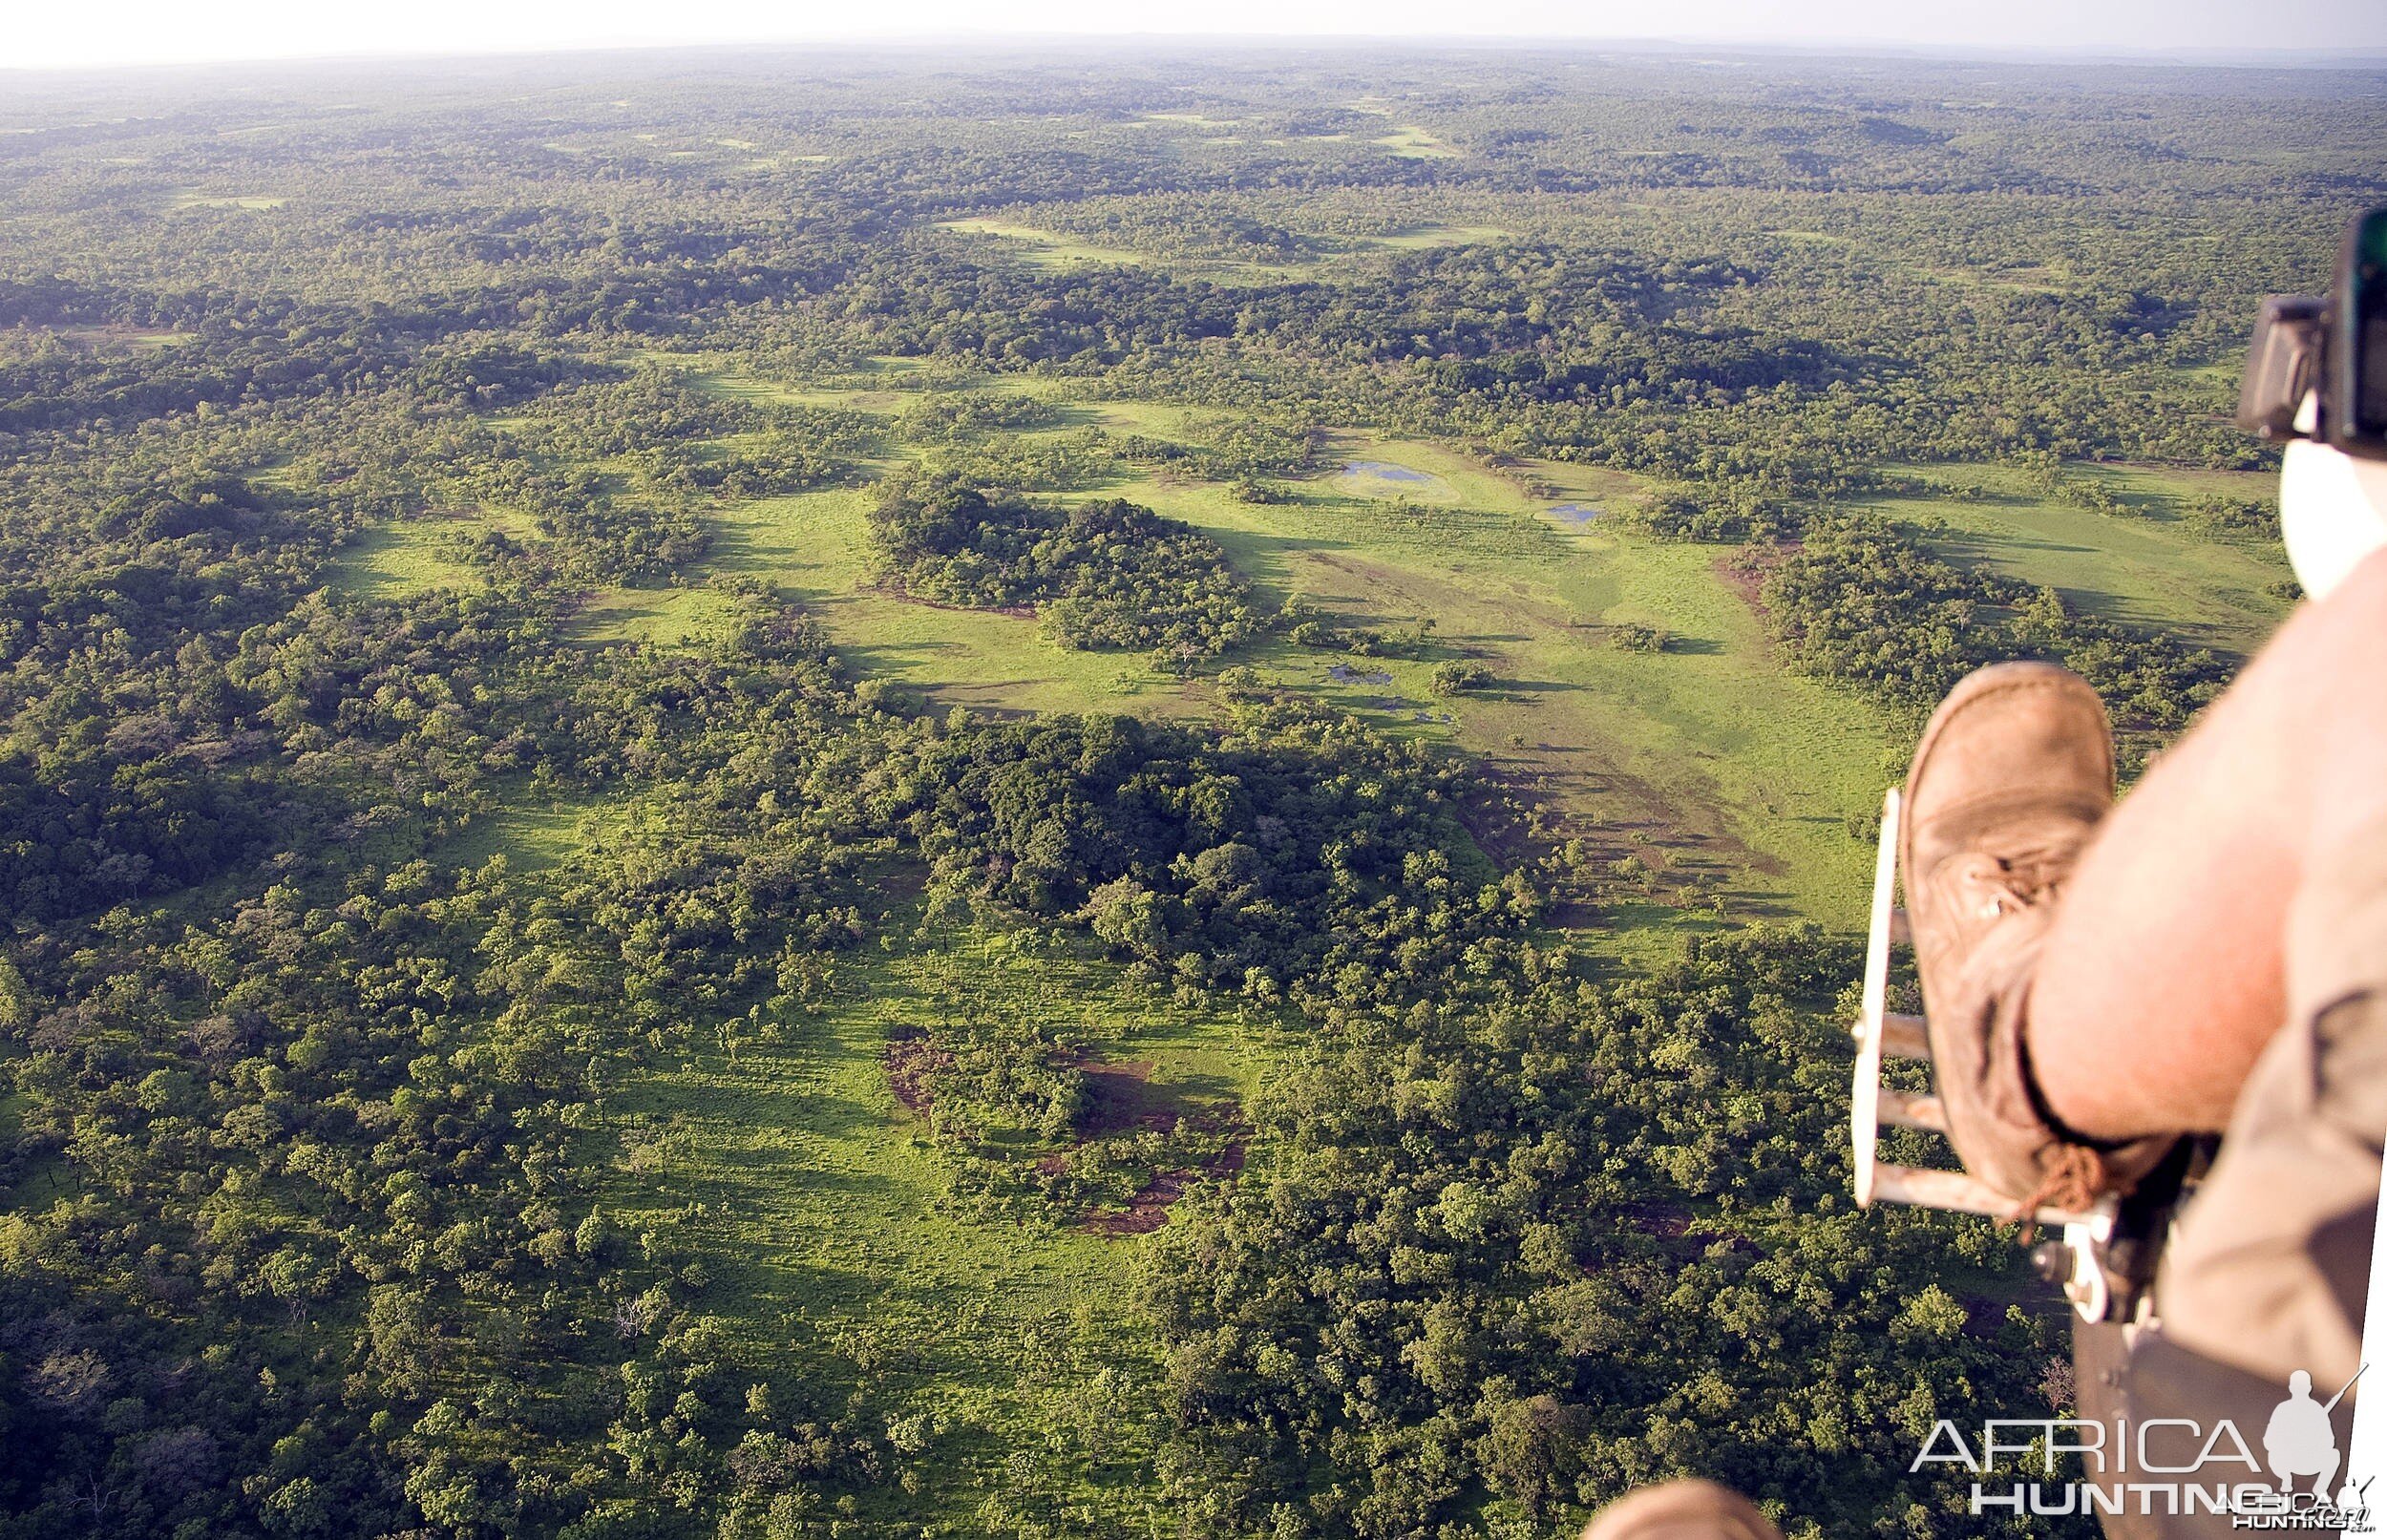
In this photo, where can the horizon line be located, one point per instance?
(2368, 58)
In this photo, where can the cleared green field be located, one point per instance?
(1057, 249)
(1421, 236)
(535, 834)
(2144, 568)
(828, 1221)
(816, 547)
(1704, 757)
(666, 617)
(398, 559)
(884, 403)
(1046, 248)
(193, 198)
(1413, 143)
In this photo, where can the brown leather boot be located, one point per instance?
(1682, 1511)
(2012, 778)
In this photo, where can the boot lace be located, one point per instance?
(2005, 885)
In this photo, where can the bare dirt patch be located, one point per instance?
(1744, 571)
(911, 1058)
(1122, 1099)
(1149, 1209)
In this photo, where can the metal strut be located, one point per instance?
(1880, 1031)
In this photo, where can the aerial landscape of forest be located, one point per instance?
(1082, 792)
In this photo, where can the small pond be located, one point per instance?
(1386, 471)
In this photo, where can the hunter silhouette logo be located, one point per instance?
(2299, 1441)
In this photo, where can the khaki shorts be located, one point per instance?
(2269, 1268)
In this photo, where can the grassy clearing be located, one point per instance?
(1054, 249)
(878, 402)
(536, 834)
(401, 560)
(1422, 237)
(1702, 757)
(1047, 248)
(134, 338)
(664, 617)
(193, 198)
(2144, 568)
(825, 1215)
(1413, 143)
(816, 548)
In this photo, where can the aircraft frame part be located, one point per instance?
(1883, 1033)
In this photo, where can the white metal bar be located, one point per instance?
(1865, 1092)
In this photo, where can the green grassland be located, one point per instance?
(417, 555)
(816, 548)
(254, 203)
(1423, 237)
(824, 1211)
(409, 556)
(779, 1149)
(537, 833)
(1705, 756)
(1046, 248)
(2146, 567)
(1704, 760)
(1055, 249)
(1413, 143)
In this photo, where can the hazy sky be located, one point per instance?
(53, 32)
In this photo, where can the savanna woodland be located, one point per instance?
(1094, 794)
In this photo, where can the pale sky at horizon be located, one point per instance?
(156, 32)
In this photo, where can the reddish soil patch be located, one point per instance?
(1744, 572)
(911, 1058)
(1122, 1099)
(1662, 1220)
(1149, 1210)
(1146, 1211)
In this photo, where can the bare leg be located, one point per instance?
(2163, 976)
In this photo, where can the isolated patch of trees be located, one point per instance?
(1103, 574)
(1860, 602)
